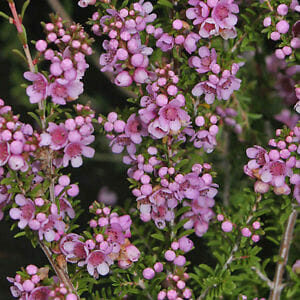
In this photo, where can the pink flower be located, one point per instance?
(165, 42)
(120, 142)
(38, 91)
(135, 129)
(157, 130)
(190, 42)
(198, 13)
(41, 292)
(74, 250)
(96, 264)
(133, 253)
(204, 139)
(62, 90)
(114, 234)
(57, 137)
(171, 116)
(25, 213)
(275, 173)
(205, 62)
(207, 88)
(47, 229)
(223, 13)
(259, 157)
(73, 152)
(226, 86)
(209, 28)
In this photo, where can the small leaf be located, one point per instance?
(19, 234)
(35, 117)
(19, 53)
(158, 236)
(165, 3)
(25, 5)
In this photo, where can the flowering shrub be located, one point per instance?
(199, 106)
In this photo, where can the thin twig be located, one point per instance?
(263, 277)
(234, 248)
(283, 254)
(60, 272)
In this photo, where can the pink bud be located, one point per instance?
(158, 267)
(28, 285)
(275, 36)
(31, 269)
(180, 260)
(123, 79)
(137, 60)
(282, 26)
(227, 226)
(148, 273)
(170, 255)
(255, 238)
(267, 21)
(256, 225)
(177, 24)
(185, 244)
(246, 232)
(140, 75)
(41, 45)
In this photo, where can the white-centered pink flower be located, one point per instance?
(39, 89)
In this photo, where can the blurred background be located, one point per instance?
(106, 170)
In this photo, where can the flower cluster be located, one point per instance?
(278, 26)
(5, 196)
(277, 168)
(246, 231)
(214, 17)
(43, 216)
(125, 55)
(17, 140)
(177, 287)
(67, 64)
(33, 283)
(109, 243)
(220, 87)
(70, 139)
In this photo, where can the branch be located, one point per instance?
(60, 272)
(263, 277)
(234, 248)
(283, 253)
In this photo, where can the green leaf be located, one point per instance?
(165, 3)
(35, 117)
(158, 236)
(25, 5)
(207, 269)
(180, 224)
(19, 234)
(182, 210)
(3, 15)
(186, 233)
(19, 53)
